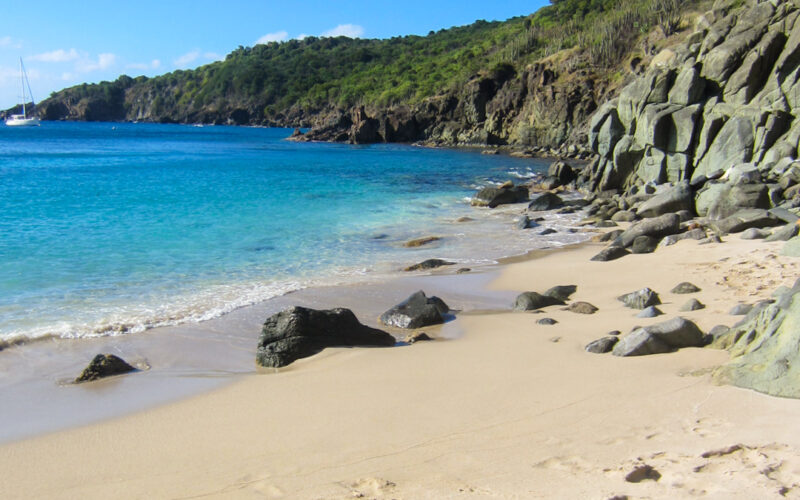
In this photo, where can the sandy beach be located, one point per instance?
(499, 407)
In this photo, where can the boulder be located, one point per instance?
(792, 247)
(104, 365)
(526, 222)
(624, 216)
(608, 236)
(644, 244)
(581, 308)
(561, 292)
(428, 264)
(662, 337)
(418, 242)
(545, 201)
(692, 234)
(650, 312)
(495, 196)
(531, 301)
(692, 305)
(657, 227)
(684, 288)
(740, 309)
(416, 311)
(754, 234)
(299, 332)
(602, 345)
(562, 171)
(785, 233)
(640, 299)
(413, 338)
(734, 198)
(610, 253)
(677, 198)
(546, 322)
(746, 219)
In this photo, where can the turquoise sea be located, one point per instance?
(114, 228)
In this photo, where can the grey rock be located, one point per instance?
(644, 244)
(754, 234)
(650, 312)
(688, 87)
(581, 308)
(610, 253)
(733, 198)
(740, 309)
(104, 365)
(526, 222)
(692, 234)
(495, 196)
(718, 331)
(640, 299)
(562, 171)
(607, 236)
(416, 311)
(546, 232)
(428, 264)
(684, 288)
(561, 292)
(547, 321)
(602, 345)
(692, 305)
(662, 337)
(531, 301)
(545, 201)
(746, 219)
(605, 224)
(792, 247)
(624, 216)
(657, 227)
(299, 332)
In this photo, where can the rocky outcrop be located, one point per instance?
(717, 117)
(104, 365)
(765, 348)
(299, 332)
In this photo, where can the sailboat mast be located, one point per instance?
(22, 82)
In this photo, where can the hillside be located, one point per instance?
(528, 80)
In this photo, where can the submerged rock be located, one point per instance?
(418, 242)
(104, 365)
(299, 332)
(416, 311)
(428, 264)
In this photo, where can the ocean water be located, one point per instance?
(108, 229)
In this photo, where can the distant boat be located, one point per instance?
(23, 120)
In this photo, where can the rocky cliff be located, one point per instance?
(726, 98)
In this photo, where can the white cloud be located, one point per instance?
(57, 56)
(104, 61)
(348, 30)
(154, 64)
(196, 55)
(278, 36)
(302, 36)
(212, 56)
(10, 43)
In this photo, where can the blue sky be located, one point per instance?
(66, 43)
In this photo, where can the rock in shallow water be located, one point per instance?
(428, 264)
(416, 311)
(299, 332)
(104, 365)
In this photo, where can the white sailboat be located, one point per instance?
(23, 120)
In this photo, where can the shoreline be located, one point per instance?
(510, 407)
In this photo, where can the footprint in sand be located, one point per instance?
(371, 487)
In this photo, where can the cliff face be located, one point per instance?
(729, 96)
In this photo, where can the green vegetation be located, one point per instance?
(297, 77)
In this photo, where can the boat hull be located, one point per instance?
(23, 122)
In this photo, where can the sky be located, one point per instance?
(66, 43)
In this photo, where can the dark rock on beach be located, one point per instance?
(547, 322)
(644, 244)
(610, 253)
(531, 301)
(299, 332)
(104, 365)
(429, 264)
(684, 288)
(416, 311)
(656, 227)
(650, 312)
(581, 308)
(660, 338)
(418, 337)
(692, 305)
(561, 292)
(640, 299)
(602, 345)
(545, 201)
(495, 196)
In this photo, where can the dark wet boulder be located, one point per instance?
(610, 253)
(413, 338)
(104, 365)
(416, 311)
(545, 201)
(684, 288)
(640, 299)
(660, 338)
(428, 264)
(299, 332)
(644, 244)
(602, 345)
(562, 172)
(581, 308)
(561, 292)
(526, 222)
(531, 301)
(495, 196)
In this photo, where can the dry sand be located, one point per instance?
(511, 409)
